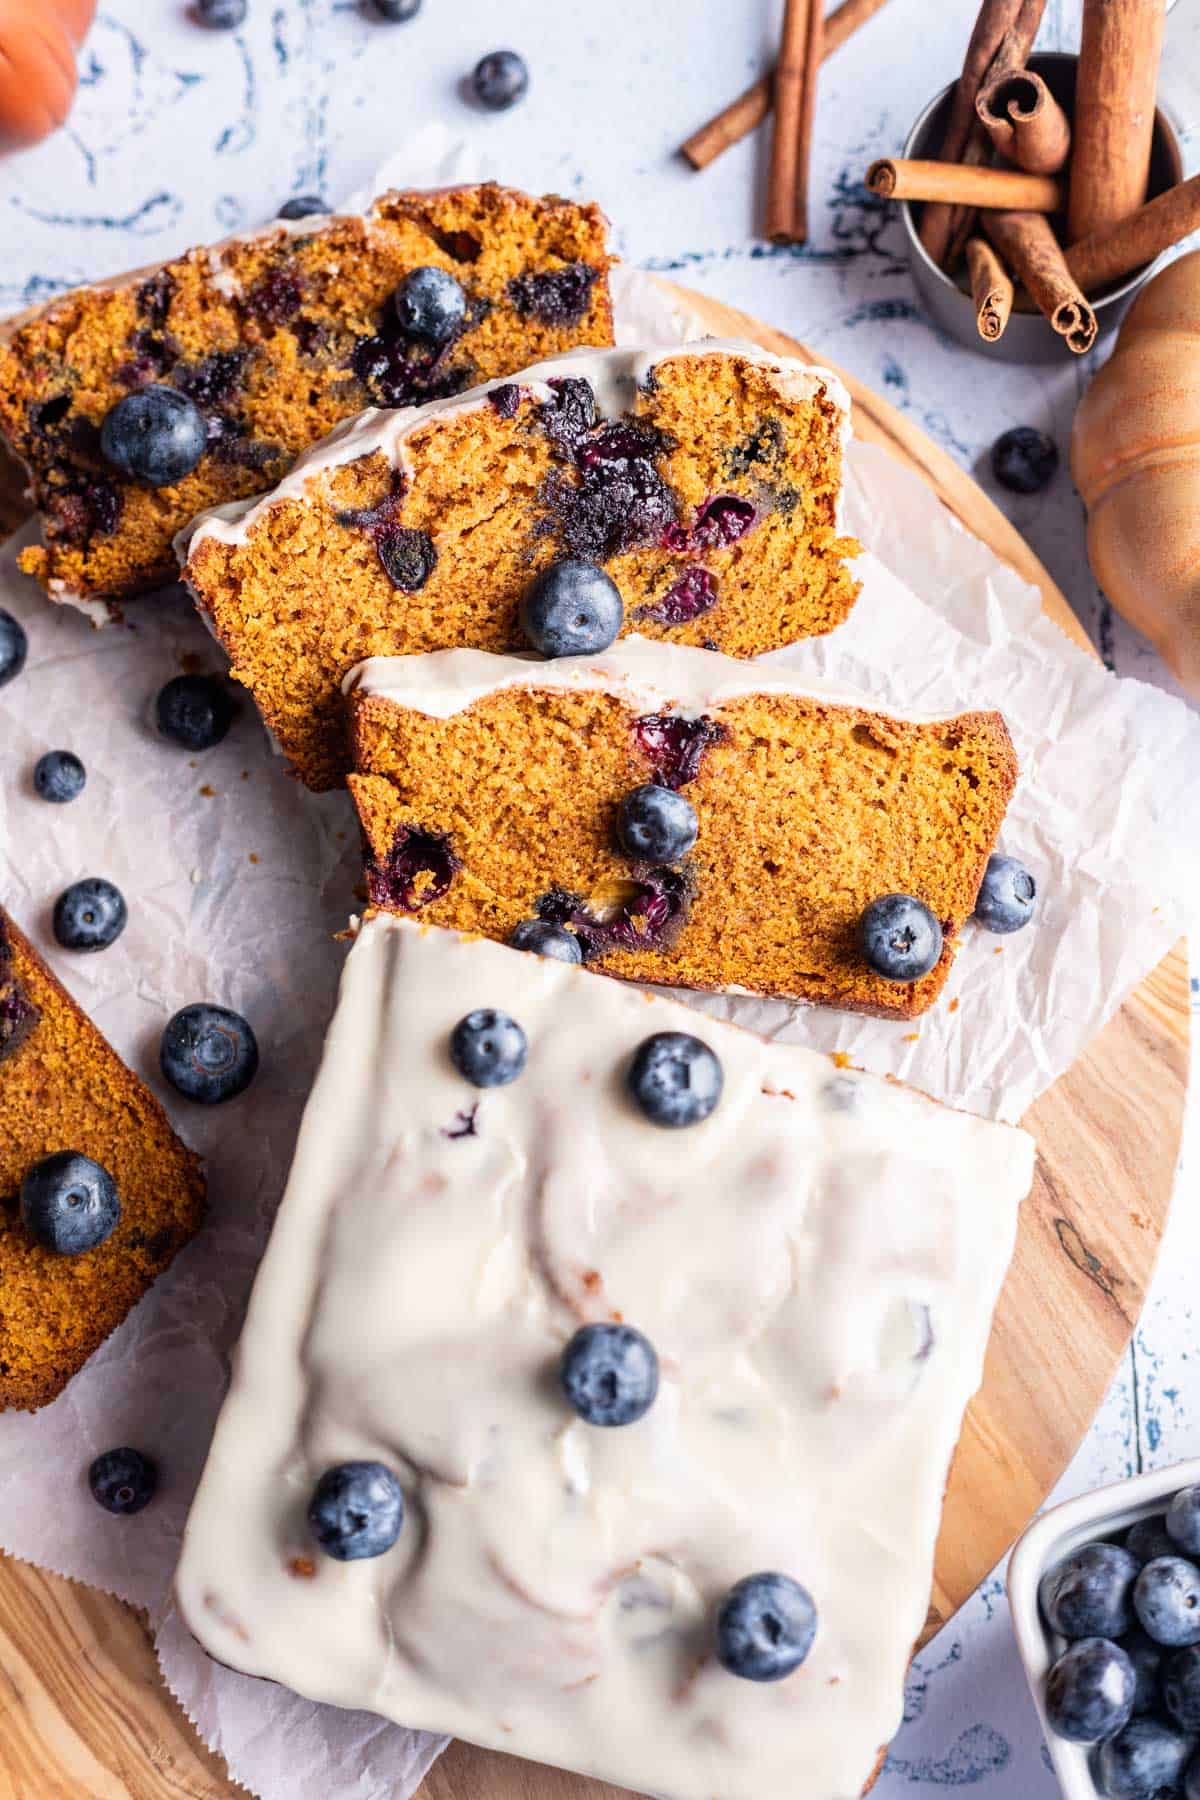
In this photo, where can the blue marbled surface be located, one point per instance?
(181, 135)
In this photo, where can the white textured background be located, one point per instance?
(181, 135)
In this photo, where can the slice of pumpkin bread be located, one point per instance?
(63, 1088)
(680, 817)
(698, 485)
(265, 342)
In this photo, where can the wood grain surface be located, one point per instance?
(82, 1710)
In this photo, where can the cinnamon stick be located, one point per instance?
(1107, 255)
(1002, 39)
(750, 108)
(795, 100)
(957, 184)
(1114, 112)
(991, 289)
(1024, 121)
(1035, 257)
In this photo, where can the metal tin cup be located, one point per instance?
(1029, 338)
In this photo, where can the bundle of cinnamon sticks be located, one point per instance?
(1020, 194)
(1029, 196)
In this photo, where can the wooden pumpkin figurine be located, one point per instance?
(1135, 456)
(38, 42)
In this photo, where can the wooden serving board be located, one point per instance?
(83, 1710)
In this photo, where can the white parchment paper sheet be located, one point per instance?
(237, 881)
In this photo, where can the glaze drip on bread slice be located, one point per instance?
(62, 1087)
(276, 337)
(704, 480)
(489, 790)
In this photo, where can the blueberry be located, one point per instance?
(14, 647)
(90, 915)
(1090, 1691)
(1149, 1538)
(1147, 1659)
(899, 937)
(1191, 1781)
(208, 1053)
(1183, 1521)
(1180, 1681)
(545, 939)
(397, 12)
(656, 825)
(302, 206)
(498, 81)
(195, 710)
(59, 776)
(69, 1204)
(221, 15)
(488, 1048)
(356, 1510)
(429, 303)
(1088, 1594)
(609, 1374)
(675, 1079)
(1141, 1761)
(571, 609)
(765, 1627)
(1024, 460)
(123, 1481)
(154, 435)
(1166, 1598)
(1006, 895)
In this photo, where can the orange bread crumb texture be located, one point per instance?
(710, 500)
(805, 812)
(62, 1087)
(275, 338)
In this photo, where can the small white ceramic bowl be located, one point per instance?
(1103, 1514)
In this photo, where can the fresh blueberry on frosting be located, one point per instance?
(1006, 895)
(123, 1481)
(609, 1374)
(488, 1048)
(765, 1627)
(430, 304)
(571, 609)
(656, 825)
(356, 1511)
(546, 939)
(675, 1079)
(69, 1204)
(899, 937)
(302, 206)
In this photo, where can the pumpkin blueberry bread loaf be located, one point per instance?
(689, 494)
(601, 1379)
(680, 817)
(97, 1192)
(227, 362)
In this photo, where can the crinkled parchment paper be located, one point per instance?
(237, 881)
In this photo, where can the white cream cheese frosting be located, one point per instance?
(650, 675)
(816, 1265)
(615, 377)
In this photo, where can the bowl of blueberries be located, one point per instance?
(1105, 1597)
